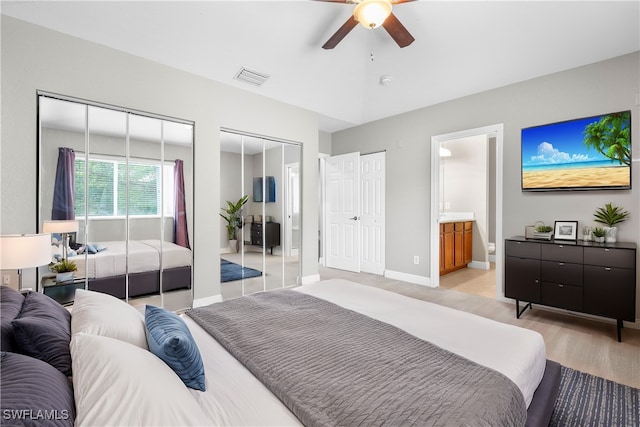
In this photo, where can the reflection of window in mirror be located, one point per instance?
(130, 185)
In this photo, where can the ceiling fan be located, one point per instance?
(372, 14)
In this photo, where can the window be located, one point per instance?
(150, 191)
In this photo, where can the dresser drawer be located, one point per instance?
(562, 296)
(562, 253)
(562, 272)
(610, 257)
(522, 249)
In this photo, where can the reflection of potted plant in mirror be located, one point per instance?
(234, 220)
(598, 234)
(610, 215)
(64, 270)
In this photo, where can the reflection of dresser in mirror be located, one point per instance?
(265, 234)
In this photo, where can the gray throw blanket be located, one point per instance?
(334, 367)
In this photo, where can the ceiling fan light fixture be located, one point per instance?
(372, 13)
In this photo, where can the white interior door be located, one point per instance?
(342, 184)
(372, 177)
(292, 224)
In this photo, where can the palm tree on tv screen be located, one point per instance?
(611, 137)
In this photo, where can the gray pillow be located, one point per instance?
(43, 330)
(10, 306)
(34, 393)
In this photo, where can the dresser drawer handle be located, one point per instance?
(560, 246)
(560, 286)
(607, 268)
(606, 249)
(561, 264)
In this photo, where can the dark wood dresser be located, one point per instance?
(266, 235)
(586, 277)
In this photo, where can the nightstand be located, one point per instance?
(63, 292)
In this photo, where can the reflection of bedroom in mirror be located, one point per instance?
(265, 170)
(126, 179)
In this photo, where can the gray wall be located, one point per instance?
(35, 58)
(599, 88)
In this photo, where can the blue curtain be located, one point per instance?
(180, 232)
(63, 188)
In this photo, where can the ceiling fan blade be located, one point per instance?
(341, 33)
(397, 31)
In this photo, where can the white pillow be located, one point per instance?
(102, 314)
(116, 383)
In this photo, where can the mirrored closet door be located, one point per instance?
(116, 192)
(260, 242)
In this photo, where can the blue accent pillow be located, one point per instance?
(91, 249)
(169, 338)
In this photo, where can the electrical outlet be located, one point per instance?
(6, 280)
(416, 259)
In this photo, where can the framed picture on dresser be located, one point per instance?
(566, 230)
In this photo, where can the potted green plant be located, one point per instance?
(598, 234)
(64, 270)
(610, 215)
(233, 217)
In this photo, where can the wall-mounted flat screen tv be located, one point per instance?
(270, 189)
(591, 153)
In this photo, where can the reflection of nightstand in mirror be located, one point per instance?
(62, 292)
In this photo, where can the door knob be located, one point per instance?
(355, 218)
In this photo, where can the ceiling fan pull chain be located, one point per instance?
(371, 57)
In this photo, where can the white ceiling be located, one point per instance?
(461, 48)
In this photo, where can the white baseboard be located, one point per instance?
(406, 277)
(492, 258)
(479, 265)
(201, 302)
(305, 280)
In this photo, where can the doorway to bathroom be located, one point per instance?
(466, 187)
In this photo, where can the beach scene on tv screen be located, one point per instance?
(593, 152)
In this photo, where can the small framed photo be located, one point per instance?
(566, 230)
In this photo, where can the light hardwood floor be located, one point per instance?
(573, 341)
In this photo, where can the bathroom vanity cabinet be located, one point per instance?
(456, 245)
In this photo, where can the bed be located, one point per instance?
(106, 268)
(108, 333)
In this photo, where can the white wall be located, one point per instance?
(34, 58)
(599, 88)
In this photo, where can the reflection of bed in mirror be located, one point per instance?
(107, 269)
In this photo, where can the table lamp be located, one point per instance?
(19, 251)
(62, 227)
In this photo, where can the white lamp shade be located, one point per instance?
(60, 226)
(19, 251)
(372, 13)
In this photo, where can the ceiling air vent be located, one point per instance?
(252, 77)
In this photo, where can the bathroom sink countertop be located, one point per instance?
(456, 217)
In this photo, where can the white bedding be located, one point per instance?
(143, 255)
(235, 397)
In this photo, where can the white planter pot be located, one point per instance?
(67, 276)
(611, 234)
(233, 245)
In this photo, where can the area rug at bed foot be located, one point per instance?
(230, 271)
(586, 400)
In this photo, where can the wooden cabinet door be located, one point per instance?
(468, 242)
(449, 251)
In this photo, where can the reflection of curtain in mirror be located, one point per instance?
(63, 188)
(180, 232)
